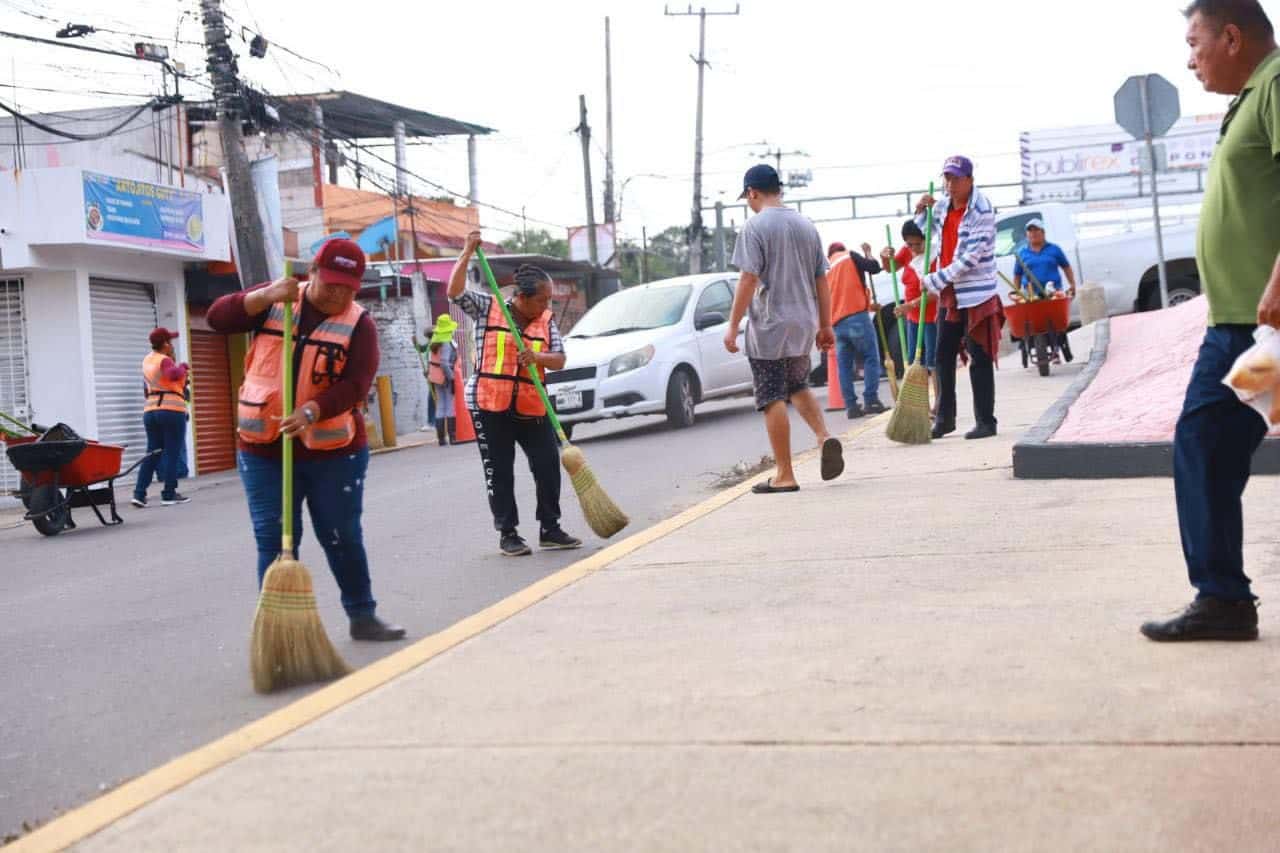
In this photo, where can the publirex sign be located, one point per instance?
(119, 210)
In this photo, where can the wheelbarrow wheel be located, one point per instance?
(54, 514)
(1042, 354)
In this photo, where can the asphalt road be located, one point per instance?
(125, 647)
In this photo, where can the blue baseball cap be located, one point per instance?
(762, 177)
(958, 167)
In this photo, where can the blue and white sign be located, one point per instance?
(119, 210)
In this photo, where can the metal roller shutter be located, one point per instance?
(211, 402)
(122, 315)
(14, 398)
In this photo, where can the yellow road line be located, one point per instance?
(133, 795)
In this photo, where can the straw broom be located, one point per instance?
(602, 514)
(289, 645)
(910, 423)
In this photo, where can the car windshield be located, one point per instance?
(634, 311)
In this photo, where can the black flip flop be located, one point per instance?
(768, 488)
(832, 458)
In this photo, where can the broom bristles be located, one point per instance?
(910, 423)
(289, 645)
(602, 514)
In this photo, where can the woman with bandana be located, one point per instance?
(505, 405)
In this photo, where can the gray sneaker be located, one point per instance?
(175, 499)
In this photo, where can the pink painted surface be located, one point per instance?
(1138, 393)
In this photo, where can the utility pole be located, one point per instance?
(584, 131)
(695, 224)
(777, 154)
(644, 254)
(250, 239)
(610, 215)
(721, 261)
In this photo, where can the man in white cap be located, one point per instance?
(1040, 261)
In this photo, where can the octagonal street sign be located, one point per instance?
(1162, 105)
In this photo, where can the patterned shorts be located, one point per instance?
(778, 379)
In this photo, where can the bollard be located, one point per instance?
(835, 397)
(386, 411)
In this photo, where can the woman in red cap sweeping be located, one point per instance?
(334, 362)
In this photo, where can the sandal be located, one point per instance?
(768, 488)
(832, 458)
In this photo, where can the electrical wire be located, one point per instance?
(78, 137)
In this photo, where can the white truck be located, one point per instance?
(1124, 264)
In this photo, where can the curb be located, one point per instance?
(1036, 457)
(96, 815)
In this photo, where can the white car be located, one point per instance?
(651, 349)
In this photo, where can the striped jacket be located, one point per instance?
(972, 270)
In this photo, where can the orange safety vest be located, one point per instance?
(324, 355)
(501, 383)
(163, 395)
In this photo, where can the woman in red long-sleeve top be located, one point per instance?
(335, 359)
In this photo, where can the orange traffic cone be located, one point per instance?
(835, 398)
(464, 429)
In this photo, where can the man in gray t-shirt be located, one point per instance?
(784, 284)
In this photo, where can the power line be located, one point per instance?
(77, 136)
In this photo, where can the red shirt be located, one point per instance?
(913, 287)
(951, 235)
(227, 315)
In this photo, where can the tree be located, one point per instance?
(537, 242)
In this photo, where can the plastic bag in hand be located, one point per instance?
(1255, 377)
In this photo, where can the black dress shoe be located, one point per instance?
(374, 629)
(981, 431)
(1207, 619)
(940, 429)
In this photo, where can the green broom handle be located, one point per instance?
(897, 297)
(18, 423)
(286, 446)
(924, 291)
(515, 333)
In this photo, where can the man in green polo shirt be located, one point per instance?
(1233, 52)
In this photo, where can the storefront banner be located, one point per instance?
(119, 210)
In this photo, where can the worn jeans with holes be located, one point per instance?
(856, 338)
(1213, 449)
(333, 487)
(166, 432)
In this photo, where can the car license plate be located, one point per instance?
(567, 401)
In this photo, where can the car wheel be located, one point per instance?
(1181, 289)
(680, 400)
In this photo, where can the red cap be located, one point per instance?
(835, 247)
(161, 336)
(341, 262)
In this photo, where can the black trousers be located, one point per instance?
(497, 435)
(982, 374)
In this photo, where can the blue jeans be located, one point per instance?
(166, 432)
(930, 343)
(856, 338)
(334, 490)
(1212, 451)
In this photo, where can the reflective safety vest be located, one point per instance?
(324, 356)
(502, 385)
(163, 395)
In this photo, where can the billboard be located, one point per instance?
(1103, 166)
(120, 210)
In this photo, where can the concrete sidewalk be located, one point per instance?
(922, 655)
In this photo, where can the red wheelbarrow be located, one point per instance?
(1039, 323)
(62, 471)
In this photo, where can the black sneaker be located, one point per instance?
(174, 500)
(140, 503)
(854, 412)
(875, 407)
(558, 540)
(374, 630)
(981, 431)
(1207, 619)
(940, 428)
(512, 545)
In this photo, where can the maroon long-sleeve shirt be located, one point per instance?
(228, 316)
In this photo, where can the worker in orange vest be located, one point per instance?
(164, 414)
(335, 360)
(504, 403)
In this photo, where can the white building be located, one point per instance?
(90, 263)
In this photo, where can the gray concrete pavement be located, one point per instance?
(922, 655)
(125, 647)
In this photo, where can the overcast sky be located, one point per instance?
(875, 93)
